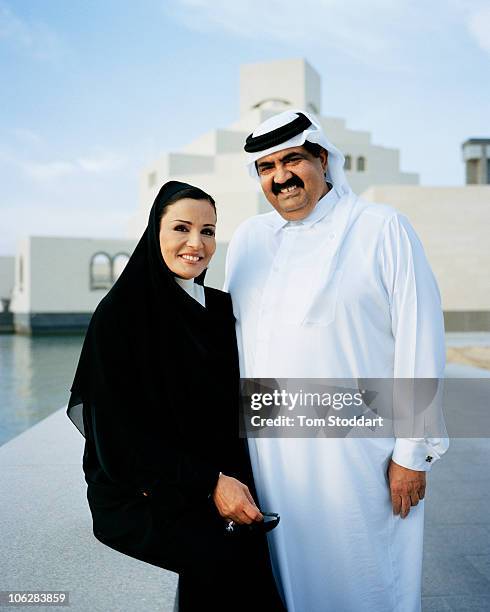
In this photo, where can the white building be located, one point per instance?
(215, 161)
(59, 281)
(451, 221)
(7, 265)
(476, 156)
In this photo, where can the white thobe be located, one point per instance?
(345, 293)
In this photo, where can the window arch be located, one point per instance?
(348, 162)
(272, 102)
(119, 262)
(361, 164)
(100, 271)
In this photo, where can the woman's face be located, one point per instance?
(187, 240)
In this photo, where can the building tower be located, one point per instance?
(476, 156)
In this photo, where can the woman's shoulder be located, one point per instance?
(218, 299)
(110, 315)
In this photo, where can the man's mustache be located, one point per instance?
(294, 181)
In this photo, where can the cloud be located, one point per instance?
(100, 164)
(379, 33)
(12, 28)
(26, 136)
(55, 220)
(48, 171)
(366, 31)
(475, 16)
(28, 153)
(37, 170)
(36, 39)
(479, 26)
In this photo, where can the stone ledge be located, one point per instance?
(46, 529)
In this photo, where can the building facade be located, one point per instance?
(476, 156)
(215, 161)
(60, 281)
(7, 266)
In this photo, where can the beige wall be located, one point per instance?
(237, 195)
(453, 224)
(294, 82)
(7, 272)
(57, 273)
(215, 275)
(21, 291)
(215, 160)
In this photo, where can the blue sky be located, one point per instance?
(92, 90)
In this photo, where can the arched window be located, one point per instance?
(348, 162)
(100, 271)
(272, 103)
(119, 262)
(361, 164)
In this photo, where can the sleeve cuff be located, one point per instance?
(414, 454)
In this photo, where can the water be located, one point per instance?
(36, 373)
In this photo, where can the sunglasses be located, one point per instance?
(271, 520)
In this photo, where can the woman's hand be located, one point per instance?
(234, 501)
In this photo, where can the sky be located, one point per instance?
(91, 91)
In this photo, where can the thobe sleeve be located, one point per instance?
(417, 326)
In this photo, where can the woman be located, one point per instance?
(155, 394)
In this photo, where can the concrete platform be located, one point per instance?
(457, 530)
(47, 542)
(46, 530)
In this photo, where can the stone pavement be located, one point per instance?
(457, 530)
(46, 527)
(46, 540)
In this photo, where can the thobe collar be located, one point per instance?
(324, 206)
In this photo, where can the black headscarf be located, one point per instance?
(156, 388)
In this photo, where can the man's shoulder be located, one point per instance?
(384, 220)
(262, 220)
(384, 212)
(253, 224)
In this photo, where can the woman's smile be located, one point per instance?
(191, 259)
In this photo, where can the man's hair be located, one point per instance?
(312, 147)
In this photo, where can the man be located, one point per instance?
(329, 286)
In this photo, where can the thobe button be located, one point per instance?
(428, 458)
(331, 236)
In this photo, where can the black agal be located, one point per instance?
(277, 136)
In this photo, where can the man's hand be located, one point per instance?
(234, 501)
(407, 487)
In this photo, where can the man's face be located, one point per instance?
(293, 180)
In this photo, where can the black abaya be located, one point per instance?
(156, 396)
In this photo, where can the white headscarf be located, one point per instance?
(314, 133)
